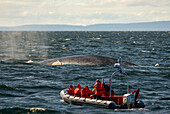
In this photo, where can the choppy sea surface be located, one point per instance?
(31, 87)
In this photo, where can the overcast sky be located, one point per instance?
(82, 12)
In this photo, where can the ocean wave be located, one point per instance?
(17, 110)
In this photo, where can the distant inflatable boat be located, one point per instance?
(124, 102)
(107, 99)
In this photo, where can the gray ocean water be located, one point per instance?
(29, 88)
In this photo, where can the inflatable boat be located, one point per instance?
(109, 100)
(126, 101)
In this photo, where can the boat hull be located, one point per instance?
(86, 101)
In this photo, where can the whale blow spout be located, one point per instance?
(84, 60)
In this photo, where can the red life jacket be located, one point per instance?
(70, 90)
(84, 93)
(77, 91)
(99, 89)
(88, 91)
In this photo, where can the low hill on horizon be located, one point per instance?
(143, 26)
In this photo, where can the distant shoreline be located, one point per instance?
(143, 26)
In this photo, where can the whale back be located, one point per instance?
(84, 60)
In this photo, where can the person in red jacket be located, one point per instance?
(70, 90)
(99, 89)
(88, 91)
(84, 92)
(77, 91)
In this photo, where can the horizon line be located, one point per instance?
(86, 25)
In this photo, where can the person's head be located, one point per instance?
(97, 80)
(86, 87)
(71, 86)
(78, 86)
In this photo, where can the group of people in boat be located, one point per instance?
(100, 91)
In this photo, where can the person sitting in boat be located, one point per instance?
(88, 91)
(98, 90)
(70, 90)
(84, 92)
(106, 91)
(92, 93)
(77, 91)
